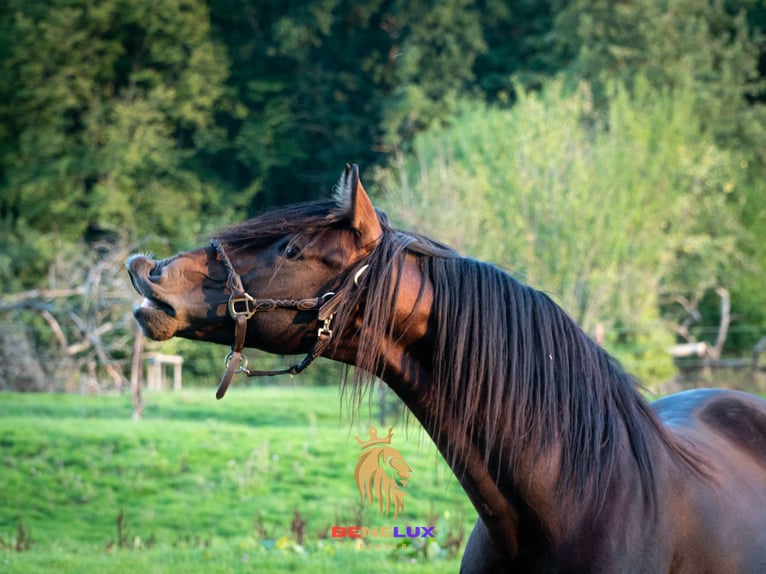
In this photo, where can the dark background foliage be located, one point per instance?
(144, 124)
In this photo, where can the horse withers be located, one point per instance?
(569, 468)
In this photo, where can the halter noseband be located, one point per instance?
(242, 306)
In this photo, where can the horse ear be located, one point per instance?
(356, 204)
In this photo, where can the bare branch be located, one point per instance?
(691, 306)
(87, 308)
(723, 326)
(19, 300)
(56, 328)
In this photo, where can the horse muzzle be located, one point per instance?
(155, 315)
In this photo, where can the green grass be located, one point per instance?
(205, 485)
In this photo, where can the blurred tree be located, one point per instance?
(329, 81)
(521, 46)
(717, 52)
(608, 212)
(147, 124)
(105, 111)
(713, 48)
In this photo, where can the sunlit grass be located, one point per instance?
(203, 485)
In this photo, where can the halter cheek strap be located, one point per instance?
(242, 306)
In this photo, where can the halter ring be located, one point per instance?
(359, 273)
(242, 367)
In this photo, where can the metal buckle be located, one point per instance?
(244, 299)
(324, 330)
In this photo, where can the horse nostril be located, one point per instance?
(155, 273)
(142, 266)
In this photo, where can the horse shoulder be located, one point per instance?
(718, 513)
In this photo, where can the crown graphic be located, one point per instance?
(374, 438)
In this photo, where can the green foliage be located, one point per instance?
(200, 483)
(608, 212)
(149, 125)
(434, 62)
(712, 48)
(331, 81)
(521, 47)
(106, 107)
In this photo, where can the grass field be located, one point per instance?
(250, 483)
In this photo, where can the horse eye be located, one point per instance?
(292, 251)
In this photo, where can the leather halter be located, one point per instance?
(242, 306)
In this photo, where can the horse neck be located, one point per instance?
(527, 498)
(406, 377)
(522, 511)
(406, 352)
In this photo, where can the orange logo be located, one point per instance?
(381, 473)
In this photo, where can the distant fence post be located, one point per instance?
(600, 334)
(759, 348)
(155, 370)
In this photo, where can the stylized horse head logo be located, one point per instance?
(373, 477)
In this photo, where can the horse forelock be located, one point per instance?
(298, 218)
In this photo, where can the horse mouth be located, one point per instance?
(157, 319)
(153, 304)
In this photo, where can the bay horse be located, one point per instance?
(569, 468)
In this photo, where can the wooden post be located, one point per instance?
(723, 326)
(136, 374)
(154, 373)
(600, 334)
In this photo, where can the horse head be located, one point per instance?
(299, 254)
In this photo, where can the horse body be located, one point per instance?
(570, 470)
(724, 529)
(710, 521)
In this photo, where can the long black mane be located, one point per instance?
(512, 372)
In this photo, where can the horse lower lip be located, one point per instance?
(159, 306)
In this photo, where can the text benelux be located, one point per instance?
(382, 532)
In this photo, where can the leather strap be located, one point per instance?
(234, 357)
(242, 306)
